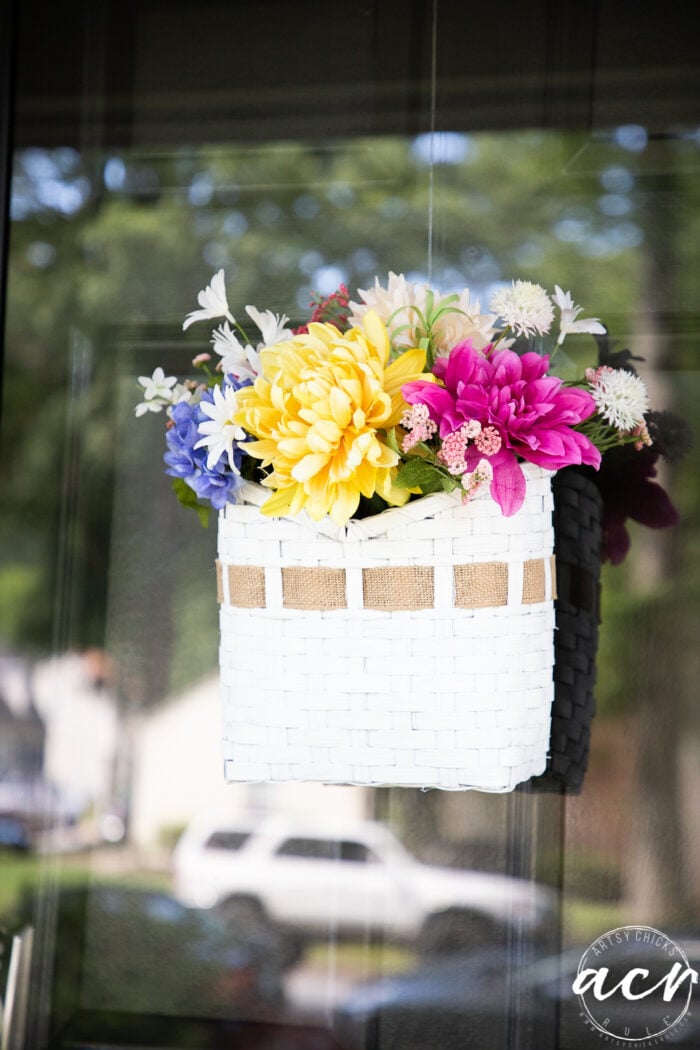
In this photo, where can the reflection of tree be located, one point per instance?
(162, 583)
(280, 218)
(656, 874)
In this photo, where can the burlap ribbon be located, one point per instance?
(387, 588)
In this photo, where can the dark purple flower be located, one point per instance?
(628, 492)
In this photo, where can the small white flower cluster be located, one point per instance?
(160, 391)
(524, 307)
(620, 396)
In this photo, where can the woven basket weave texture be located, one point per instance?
(412, 648)
(578, 533)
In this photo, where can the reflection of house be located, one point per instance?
(22, 732)
(82, 729)
(178, 771)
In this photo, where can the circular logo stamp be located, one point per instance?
(635, 986)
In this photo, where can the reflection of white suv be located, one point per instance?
(313, 876)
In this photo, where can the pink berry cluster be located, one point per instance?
(472, 481)
(418, 425)
(453, 452)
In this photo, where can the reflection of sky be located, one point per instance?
(201, 189)
(114, 173)
(616, 179)
(328, 278)
(632, 137)
(444, 147)
(40, 254)
(49, 180)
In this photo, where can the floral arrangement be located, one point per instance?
(399, 394)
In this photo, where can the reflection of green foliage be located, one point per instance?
(188, 498)
(196, 626)
(23, 877)
(126, 268)
(587, 876)
(584, 919)
(20, 586)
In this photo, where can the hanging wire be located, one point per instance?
(433, 108)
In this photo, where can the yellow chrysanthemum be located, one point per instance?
(319, 410)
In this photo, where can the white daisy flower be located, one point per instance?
(148, 406)
(236, 359)
(220, 432)
(224, 340)
(158, 385)
(272, 326)
(569, 312)
(621, 397)
(157, 392)
(213, 302)
(181, 393)
(525, 307)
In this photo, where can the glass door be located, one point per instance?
(299, 147)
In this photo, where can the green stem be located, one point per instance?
(553, 353)
(240, 330)
(500, 336)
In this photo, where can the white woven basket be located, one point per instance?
(411, 648)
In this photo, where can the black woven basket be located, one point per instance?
(577, 532)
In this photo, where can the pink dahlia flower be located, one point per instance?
(531, 411)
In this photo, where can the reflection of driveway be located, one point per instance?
(473, 1000)
(312, 989)
(329, 972)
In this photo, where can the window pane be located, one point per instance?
(298, 146)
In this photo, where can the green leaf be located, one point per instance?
(445, 306)
(564, 368)
(203, 514)
(450, 483)
(188, 498)
(417, 473)
(446, 310)
(410, 310)
(423, 451)
(391, 441)
(437, 484)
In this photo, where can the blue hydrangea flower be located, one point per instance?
(218, 484)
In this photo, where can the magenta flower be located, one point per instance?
(532, 413)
